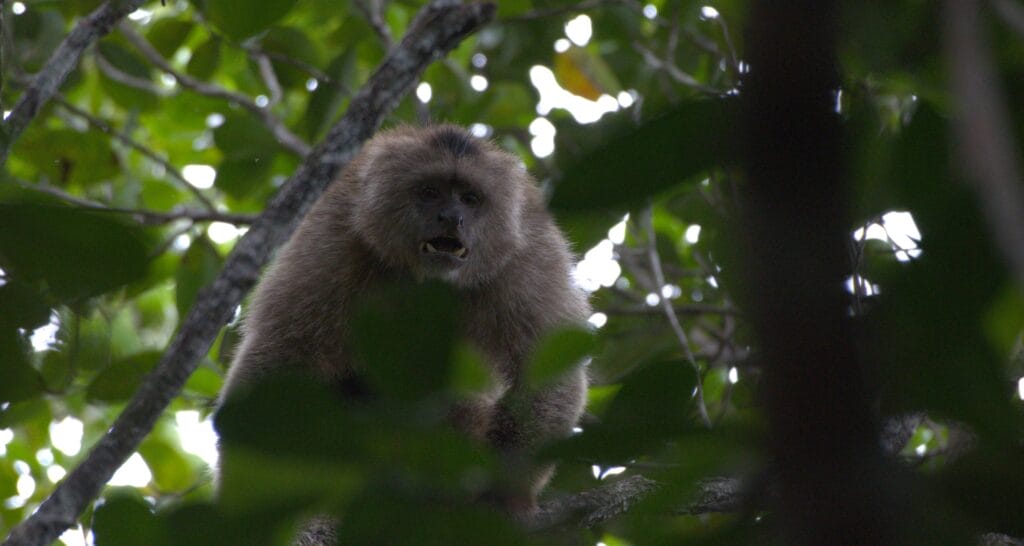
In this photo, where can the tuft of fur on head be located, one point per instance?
(395, 163)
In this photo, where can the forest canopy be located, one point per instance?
(801, 226)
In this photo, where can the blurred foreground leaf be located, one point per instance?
(77, 253)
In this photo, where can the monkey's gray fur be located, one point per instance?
(430, 203)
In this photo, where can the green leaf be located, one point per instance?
(35, 37)
(57, 372)
(405, 334)
(559, 352)
(325, 103)
(291, 43)
(470, 373)
(171, 471)
(126, 520)
(511, 105)
(167, 35)
(933, 317)
(120, 380)
(204, 382)
(653, 406)
(18, 379)
(77, 253)
(199, 267)
(205, 524)
(243, 18)
(243, 178)
(674, 147)
(243, 136)
(161, 195)
(380, 518)
(514, 7)
(26, 413)
(8, 481)
(291, 424)
(69, 157)
(205, 59)
(88, 339)
(22, 306)
(583, 72)
(128, 63)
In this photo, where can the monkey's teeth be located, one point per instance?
(461, 252)
(430, 247)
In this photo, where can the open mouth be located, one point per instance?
(445, 246)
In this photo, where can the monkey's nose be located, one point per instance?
(450, 219)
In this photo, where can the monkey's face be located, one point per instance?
(446, 210)
(441, 204)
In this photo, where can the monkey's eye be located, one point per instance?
(428, 193)
(471, 199)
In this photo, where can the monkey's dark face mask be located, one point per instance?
(445, 212)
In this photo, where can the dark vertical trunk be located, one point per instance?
(823, 433)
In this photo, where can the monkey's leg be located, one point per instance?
(522, 422)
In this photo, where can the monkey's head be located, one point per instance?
(440, 203)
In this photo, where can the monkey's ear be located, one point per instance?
(404, 336)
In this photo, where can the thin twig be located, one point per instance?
(681, 309)
(857, 247)
(647, 218)
(131, 143)
(319, 75)
(169, 240)
(672, 43)
(674, 71)
(147, 217)
(290, 141)
(732, 57)
(269, 79)
(372, 11)
(124, 78)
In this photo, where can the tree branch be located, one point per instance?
(269, 79)
(822, 432)
(1012, 14)
(593, 506)
(147, 217)
(982, 127)
(61, 63)
(996, 539)
(286, 138)
(438, 28)
(253, 50)
(714, 495)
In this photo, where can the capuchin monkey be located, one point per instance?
(430, 203)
